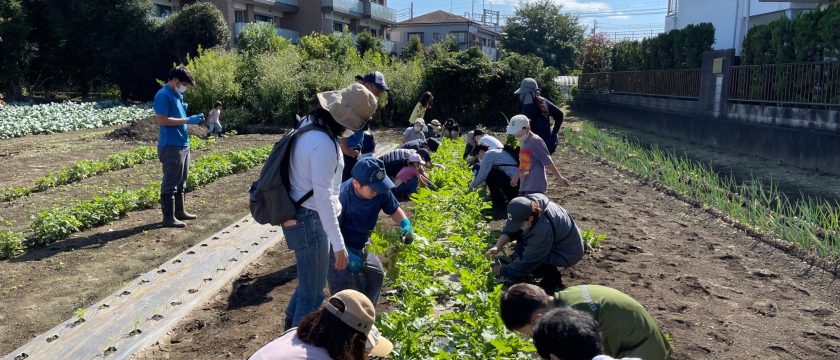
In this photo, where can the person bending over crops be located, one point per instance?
(395, 160)
(362, 198)
(481, 137)
(428, 144)
(569, 334)
(411, 177)
(627, 329)
(415, 131)
(534, 159)
(546, 238)
(495, 169)
(434, 129)
(341, 330)
(174, 144)
(315, 168)
(451, 129)
(539, 109)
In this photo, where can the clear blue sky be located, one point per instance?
(619, 18)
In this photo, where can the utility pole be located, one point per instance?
(411, 11)
(594, 26)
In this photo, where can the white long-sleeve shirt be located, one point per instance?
(316, 165)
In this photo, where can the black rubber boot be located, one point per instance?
(180, 214)
(167, 206)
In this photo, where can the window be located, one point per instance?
(373, 32)
(436, 36)
(163, 10)
(264, 18)
(339, 26)
(239, 15)
(460, 36)
(418, 35)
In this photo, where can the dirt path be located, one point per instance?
(42, 288)
(720, 293)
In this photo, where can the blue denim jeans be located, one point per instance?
(367, 281)
(309, 242)
(405, 189)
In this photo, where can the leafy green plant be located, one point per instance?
(21, 120)
(11, 244)
(56, 224)
(445, 304)
(592, 239)
(80, 315)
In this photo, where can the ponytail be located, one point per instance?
(541, 103)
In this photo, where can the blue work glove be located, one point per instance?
(407, 233)
(355, 263)
(195, 119)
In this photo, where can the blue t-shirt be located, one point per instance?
(171, 104)
(358, 215)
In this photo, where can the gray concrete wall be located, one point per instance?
(811, 144)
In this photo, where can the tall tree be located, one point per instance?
(542, 29)
(89, 30)
(198, 25)
(366, 41)
(14, 29)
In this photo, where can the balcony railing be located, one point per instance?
(383, 12)
(800, 84)
(669, 83)
(354, 6)
(293, 3)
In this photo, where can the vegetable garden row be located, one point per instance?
(811, 226)
(446, 298)
(22, 120)
(88, 168)
(60, 222)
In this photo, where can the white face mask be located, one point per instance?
(526, 226)
(522, 135)
(418, 127)
(182, 88)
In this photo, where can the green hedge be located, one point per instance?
(813, 36)
(271, 86)
(676, 49)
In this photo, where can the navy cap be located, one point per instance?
(425, 155)
(370, 171)
(375, 78)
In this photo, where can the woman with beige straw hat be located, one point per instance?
(315, 168)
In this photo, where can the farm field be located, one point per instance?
(719, 292)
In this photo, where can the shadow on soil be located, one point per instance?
(87, 242)
(248, 291)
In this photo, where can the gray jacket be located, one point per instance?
(554, 239)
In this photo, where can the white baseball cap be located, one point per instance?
(517, 123)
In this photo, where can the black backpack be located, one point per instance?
(270, 202)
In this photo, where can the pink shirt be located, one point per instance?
(290, 347)
(407, 173)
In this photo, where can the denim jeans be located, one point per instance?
(367, 281)
(405, 189)
(309, 242)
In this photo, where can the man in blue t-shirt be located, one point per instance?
(362, 198)
(174, 144)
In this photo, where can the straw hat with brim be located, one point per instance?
(351, 107)
(360, 314)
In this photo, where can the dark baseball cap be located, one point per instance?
(518, 211)
(371, 172)
(375, 78)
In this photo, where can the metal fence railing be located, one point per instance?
(795, 84)
(677, 83)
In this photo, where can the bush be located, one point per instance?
(215, 79)
(812, 36)
(260, 38)
(201, 25)
(367, 42)
(676, 49)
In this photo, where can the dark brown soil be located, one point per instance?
(720, 293)
(147, 130)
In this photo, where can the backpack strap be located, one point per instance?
(315, 125)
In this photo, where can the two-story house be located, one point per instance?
(437, 25)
